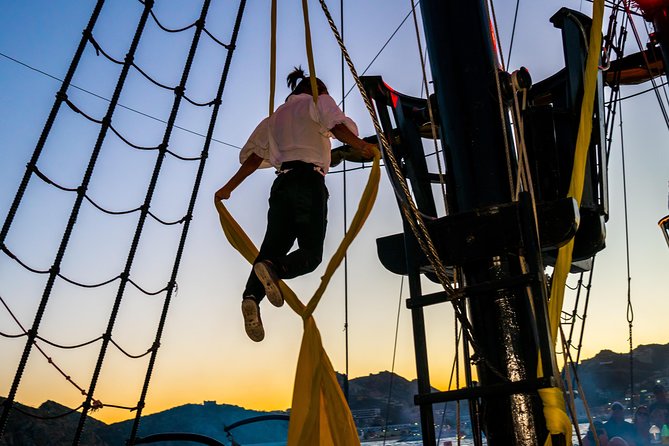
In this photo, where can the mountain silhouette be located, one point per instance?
(375, 400)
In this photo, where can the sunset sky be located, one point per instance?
(205, 354)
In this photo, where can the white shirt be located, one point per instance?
(297, 130)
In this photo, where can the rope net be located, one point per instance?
(85, 197)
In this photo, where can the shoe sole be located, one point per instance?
(270, 283)
(252, 321)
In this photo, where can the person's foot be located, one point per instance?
(270, 280)
(252, 321)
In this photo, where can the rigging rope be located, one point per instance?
(105, 124)
(552, 398)
(345, 200)
(455, 373)
(392, 367)
(570, 388)
(96, 404)
(47, 180)
(573, 365)
(171, 30)
(191, 206)
(513, 32)
(383, 47)
(630, 308)
(143, 214)
(646, 62)
(408, 206)
(433, 126)
(663, 84)
(417, 223)
(502, 109)
(25, 333)
(655, 60)
(616, 45)
(18, 198)
(574, 313)
(50, 417)
(141, 113)
(614, 96)
(585, 312)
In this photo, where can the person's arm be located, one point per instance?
(343, 134)
(247, 168)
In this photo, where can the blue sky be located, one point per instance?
(205, 353)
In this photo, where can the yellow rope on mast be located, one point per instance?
(557, 420)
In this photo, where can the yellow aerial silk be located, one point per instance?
(557, 420)
(319, 414)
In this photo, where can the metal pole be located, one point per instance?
(473, 136)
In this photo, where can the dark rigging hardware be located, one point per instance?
(551, 127)
(657, 12)
(664, 226)
(485, 233)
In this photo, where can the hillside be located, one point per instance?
(209, 418)
(28, 426)
(605, 378)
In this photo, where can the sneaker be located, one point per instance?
(268, 277)
(252, 321)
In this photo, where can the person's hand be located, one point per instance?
(223, 193)
(362, 154)
(368, 151)
(337, 156)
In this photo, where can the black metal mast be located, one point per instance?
(495, 237)
(475, 151)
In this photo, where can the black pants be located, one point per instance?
(297, 211)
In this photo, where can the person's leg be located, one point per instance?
(279, 236)
(252, 322)
(311, 207)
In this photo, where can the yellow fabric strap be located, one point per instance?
(557, 420)
(272, 58)
(319, 414)
(310, 52)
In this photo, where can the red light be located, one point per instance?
(393, 96)
(492, 37)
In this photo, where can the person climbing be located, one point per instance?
(295, 140)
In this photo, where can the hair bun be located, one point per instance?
(295, 76)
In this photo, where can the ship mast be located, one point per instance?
(475, 137)
(496, 236)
